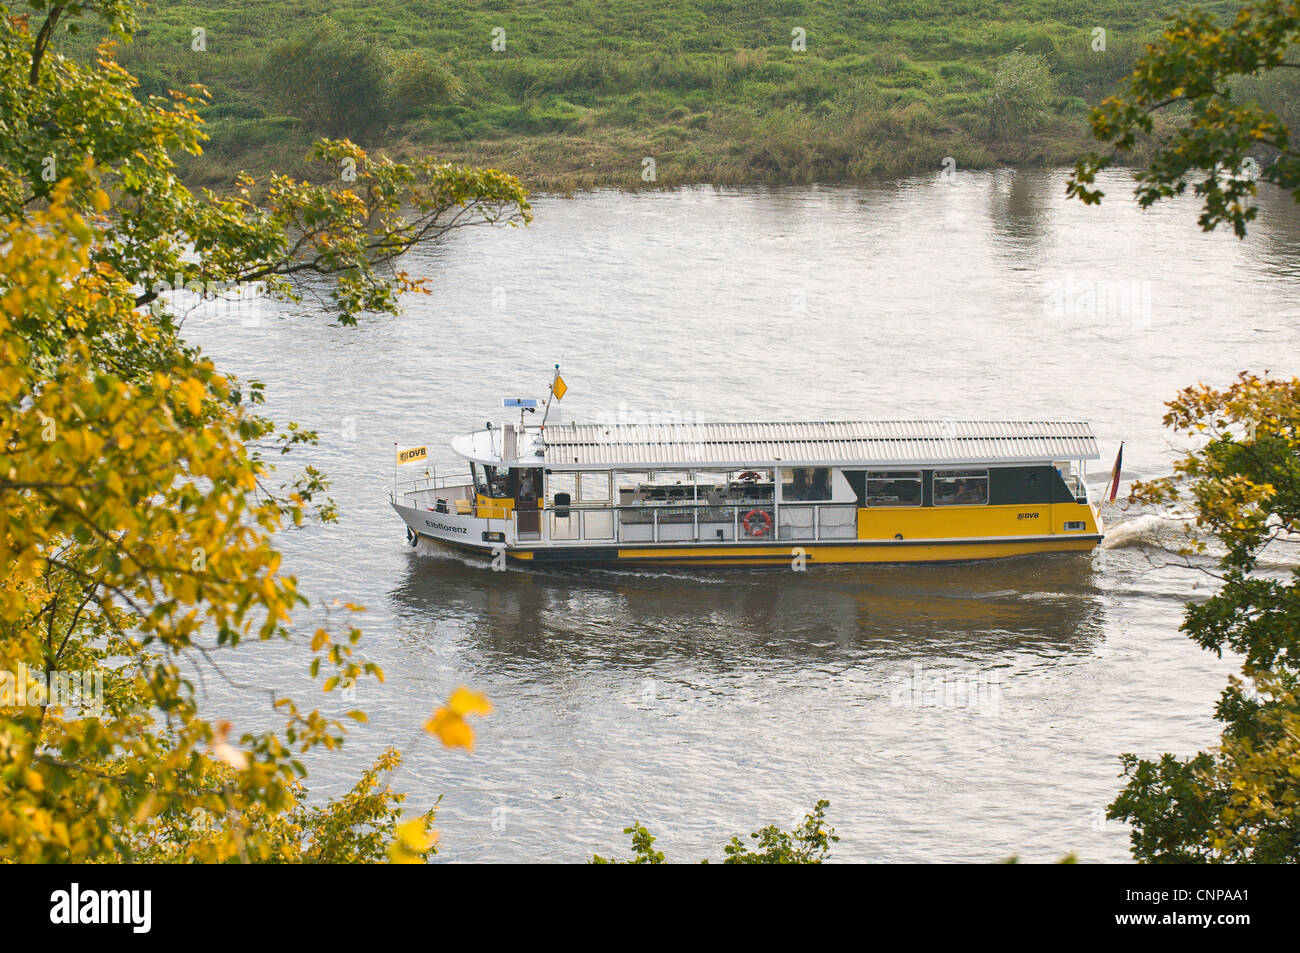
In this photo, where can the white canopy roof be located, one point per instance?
(849, 443)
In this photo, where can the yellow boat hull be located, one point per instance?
(886, 535)
(820, 554)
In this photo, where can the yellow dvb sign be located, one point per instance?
(406, 456)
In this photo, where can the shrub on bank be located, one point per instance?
(339, 84)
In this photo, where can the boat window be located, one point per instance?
(750, 486)
(480, 481)
(669, 486)
(723, 487)
(643, 488)
(593, 487)
(671, 478)
(630, 485)
(560, 483)
(710, 488)
(498, 481)
(712, 484)
(805, 483)
(961, 487)
(893, 488)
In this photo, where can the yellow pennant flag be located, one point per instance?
(406, 456)
(559, 389)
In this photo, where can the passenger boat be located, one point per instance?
(755, 494)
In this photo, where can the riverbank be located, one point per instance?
(789, 149)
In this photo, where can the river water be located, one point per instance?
(949, 713)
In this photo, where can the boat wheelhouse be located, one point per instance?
(752, 494)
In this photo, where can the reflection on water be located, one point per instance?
(1019, 209)
(707, 704)
(966, 612)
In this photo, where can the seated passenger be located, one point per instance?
(799, 489)
(821, 488)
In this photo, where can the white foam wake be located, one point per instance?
(1140, 531)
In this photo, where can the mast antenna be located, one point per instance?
(549, 398)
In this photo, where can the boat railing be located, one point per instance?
(431, 480)
(687, 522)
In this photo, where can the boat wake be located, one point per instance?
(428, 547)
(1149, 530)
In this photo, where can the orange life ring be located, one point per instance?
(758, 530)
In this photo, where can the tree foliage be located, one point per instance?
(137, 512)
(809, 843)
(1218, 138)
(335, 81)
(348, 228)
(343, 85)
(132, 537)
(1237, 803)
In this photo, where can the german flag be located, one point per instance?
(1114, 474)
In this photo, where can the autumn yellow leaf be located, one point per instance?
(448, 723)
(192, 393)
(466, 702)
(412, 839)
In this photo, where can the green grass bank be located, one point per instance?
(573, 95)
